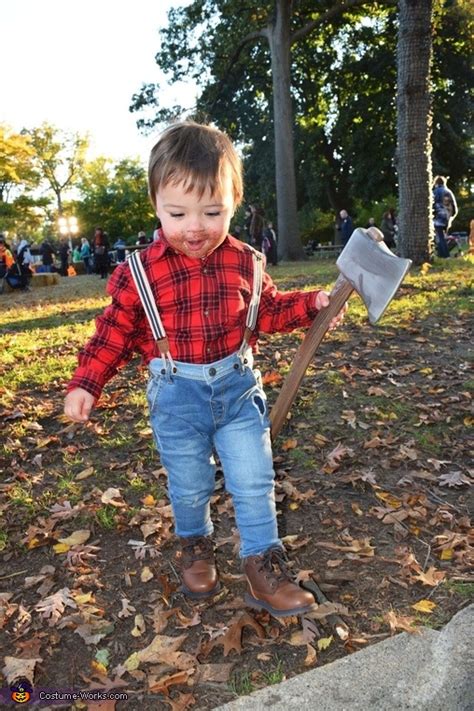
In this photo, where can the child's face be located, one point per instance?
(195, 225)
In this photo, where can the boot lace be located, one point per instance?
(196, 548)
(274, 563)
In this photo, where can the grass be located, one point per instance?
(274, 676)
(461, 588)
(106, 517)
(241, 684)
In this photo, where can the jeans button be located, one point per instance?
(212, 371)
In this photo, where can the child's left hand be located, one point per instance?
(321, 301)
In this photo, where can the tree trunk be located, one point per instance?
(414, 55)
(289, 243)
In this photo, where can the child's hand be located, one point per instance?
(78, 405)
(321, 301)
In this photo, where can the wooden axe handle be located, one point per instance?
(339, 295)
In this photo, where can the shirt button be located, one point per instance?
(204, 271)
(206, 313)
(212, 371)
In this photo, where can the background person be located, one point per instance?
(346, 226)
(47, 255)
(86, 255)
(63, 252)
(445, 210)
(101, 253)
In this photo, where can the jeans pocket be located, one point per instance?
(258, 395)
(152, 391)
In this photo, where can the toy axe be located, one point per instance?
(367, 266)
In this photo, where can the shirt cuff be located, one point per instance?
(86, 381)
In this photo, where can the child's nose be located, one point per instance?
(195, 224)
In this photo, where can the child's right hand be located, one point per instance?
(78, 405)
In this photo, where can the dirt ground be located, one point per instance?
(373, 487)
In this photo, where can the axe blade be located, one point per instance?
(373, 270)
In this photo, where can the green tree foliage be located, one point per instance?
(20, 212)
(343, 92)
(114, 197)
(452, 81)
(59, 157)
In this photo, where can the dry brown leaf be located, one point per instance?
(217, 673)
(146, 574)
(232, 639)
(85, 473)
(105, 705)
(271, 377)
(113, 497)
(163, 685)
(76, 538)
(182, 702)
(400, 622)
(16, 668)
(311, 656)
(161, 617)
(52, 607)
(289, 444)
(186, 622)
(140, 626)
(432, 577)
(157, 651)
(127, 608)
(325, 609)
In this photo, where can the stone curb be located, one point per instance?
(430, 671)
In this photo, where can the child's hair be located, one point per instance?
(197, 155)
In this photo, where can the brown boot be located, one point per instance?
(198, 567)
(272, 586)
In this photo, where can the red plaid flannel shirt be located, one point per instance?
(203, 306)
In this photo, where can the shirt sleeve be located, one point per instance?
(115, 338)
(283, 312)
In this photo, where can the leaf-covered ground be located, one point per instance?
(373, 488)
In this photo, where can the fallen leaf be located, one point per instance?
(232, 638)
(16, 668)
(452, 479)
(76, 538)
(311, 656)
(218, 673)
(139, 628)
(113, 497)
(85, 473)
(53, 606)
(400, 622)
(425, 606)
(163, 684)
(324, 642)
(181, 702)
(146, 574)
(157, 651)
(271, 377)
(289, 444)
(432, 576)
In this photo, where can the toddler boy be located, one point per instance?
(192, 305)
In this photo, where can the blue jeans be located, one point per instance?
(218, 407)
(442, 247)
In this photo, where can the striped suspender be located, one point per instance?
(148, 302)
(146, 296)
(252, 312)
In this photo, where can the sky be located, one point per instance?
(77, 65)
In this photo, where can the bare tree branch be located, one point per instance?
(334, 11)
